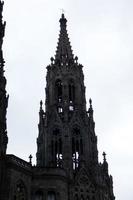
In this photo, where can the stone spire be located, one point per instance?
(40, 136)
(64, 50)
(3, 96)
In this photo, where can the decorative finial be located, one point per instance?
(104, 156)
(30, 159)
(76, 59)
(62, 16)
(90, 111)
(63, 19)
(41, 103)
(52, 60)
(105, 164)
(90, 101)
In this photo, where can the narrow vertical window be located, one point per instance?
(71, 92)
(56, 148)
(39, 195)
(77, 147)
(81, 146)
(76, 197)
(51, 196)
(60, 110)
(58, 90)
(82, 198)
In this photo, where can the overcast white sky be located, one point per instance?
(101, 34)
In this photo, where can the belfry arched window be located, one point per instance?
(20, 192)
(77, 147)
(39, 195)
(76, 197)
(82, 198)
(71, 91)
(56, 149)
(51, 196)
(58, 90)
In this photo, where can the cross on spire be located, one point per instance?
(62, 11)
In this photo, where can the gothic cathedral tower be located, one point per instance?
(67, 157)
(67, 137)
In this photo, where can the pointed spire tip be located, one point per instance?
(64, 53)
(63, 20)
(62, 16)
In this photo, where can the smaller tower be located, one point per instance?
(3, 96)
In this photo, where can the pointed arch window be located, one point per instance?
(60, 109)
(20, 192)
(77, 147)
(56, 147)
(39, 195)
(76, 197)
(71, 91)
(58, 90)
(51, 196)
(82, 198)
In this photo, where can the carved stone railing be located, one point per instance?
(12, 159)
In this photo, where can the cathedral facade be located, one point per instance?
(67, 166)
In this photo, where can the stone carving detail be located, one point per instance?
(20, 191)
